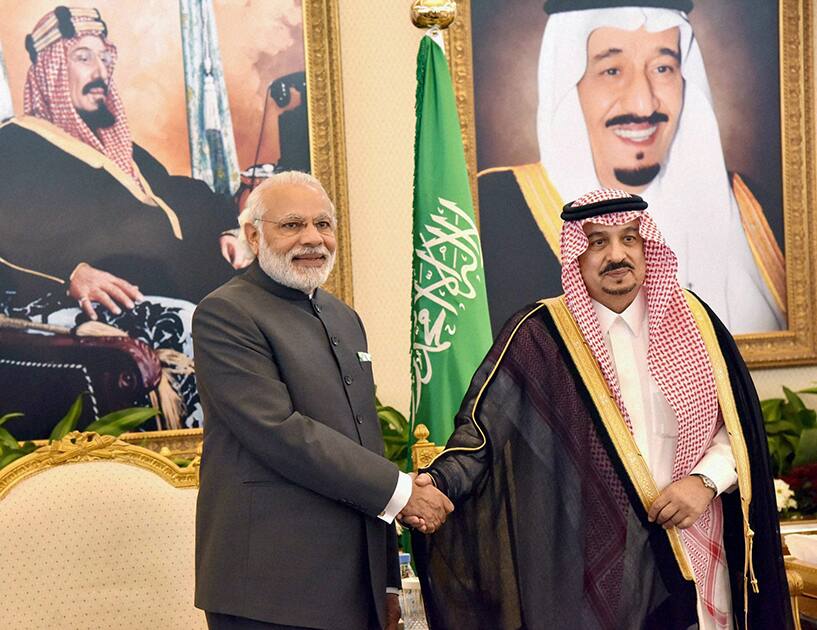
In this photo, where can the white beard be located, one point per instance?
(280, 268)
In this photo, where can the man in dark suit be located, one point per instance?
(296, 501)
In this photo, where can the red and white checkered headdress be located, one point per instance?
(677, 357)
(47, 94)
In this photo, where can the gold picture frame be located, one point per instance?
(797, 345)
(327, 148)
(327, 143)
(317, 53)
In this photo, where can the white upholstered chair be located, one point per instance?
(97, 533)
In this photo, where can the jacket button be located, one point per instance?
(335, 340)
(348, 380)
(359, 419)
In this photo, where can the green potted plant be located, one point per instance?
(791, 432)
(114, 423)
(395, 429)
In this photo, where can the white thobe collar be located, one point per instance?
(635, 315)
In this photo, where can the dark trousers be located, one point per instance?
(219, 621)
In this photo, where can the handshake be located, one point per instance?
(427, 508)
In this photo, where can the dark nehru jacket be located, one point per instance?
(62, 203)
(292, 475)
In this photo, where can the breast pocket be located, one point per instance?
(364, 360)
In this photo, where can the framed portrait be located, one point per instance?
(704, 108)
(132, 134)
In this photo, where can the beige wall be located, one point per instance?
(378, 50)
(379, 46)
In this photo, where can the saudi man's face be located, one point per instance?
(88, 72)
(613, 266)
(631, 96)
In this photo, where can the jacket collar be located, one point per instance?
(257, 276)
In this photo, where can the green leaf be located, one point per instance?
(781, 452)
(771, 408)
(782, 426)
(5, 460)
(808, 418)
(396, 448)
(393, 418)
(69, 421)
(791, 440)
(794, 400)
(806, 452)
(395, 428)
(7, 439)
(9, 416)
(397, 440)
(119, 422)
(808, 390)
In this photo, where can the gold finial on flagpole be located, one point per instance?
(431, 13)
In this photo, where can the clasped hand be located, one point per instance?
(681, 503)
(427, 508)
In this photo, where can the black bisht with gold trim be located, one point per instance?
(549, 530)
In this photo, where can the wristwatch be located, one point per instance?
(707, 482)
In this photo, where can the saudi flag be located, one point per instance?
(451, 331)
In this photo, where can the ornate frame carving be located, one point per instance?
(327, 143)
(798, 344)
(83, 447)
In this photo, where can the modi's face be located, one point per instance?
(295, 238)
(613, 266)
(631, 96)
(89, 64)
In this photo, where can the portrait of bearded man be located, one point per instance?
(623, 100)
(95, 228)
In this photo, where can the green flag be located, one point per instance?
(450, 328)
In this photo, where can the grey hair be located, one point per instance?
(254, 208)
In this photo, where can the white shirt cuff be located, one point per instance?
(401, 496)
(393, 590)
(718, 463)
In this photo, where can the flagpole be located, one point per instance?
(451, 329)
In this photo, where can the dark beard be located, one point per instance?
(619, 291)
(100, 118)
(637, 176)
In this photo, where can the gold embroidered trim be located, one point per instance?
(613, 421)
(765, 250)
(95, 159)
(736, 440)
(542, 198)
(473, 418)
